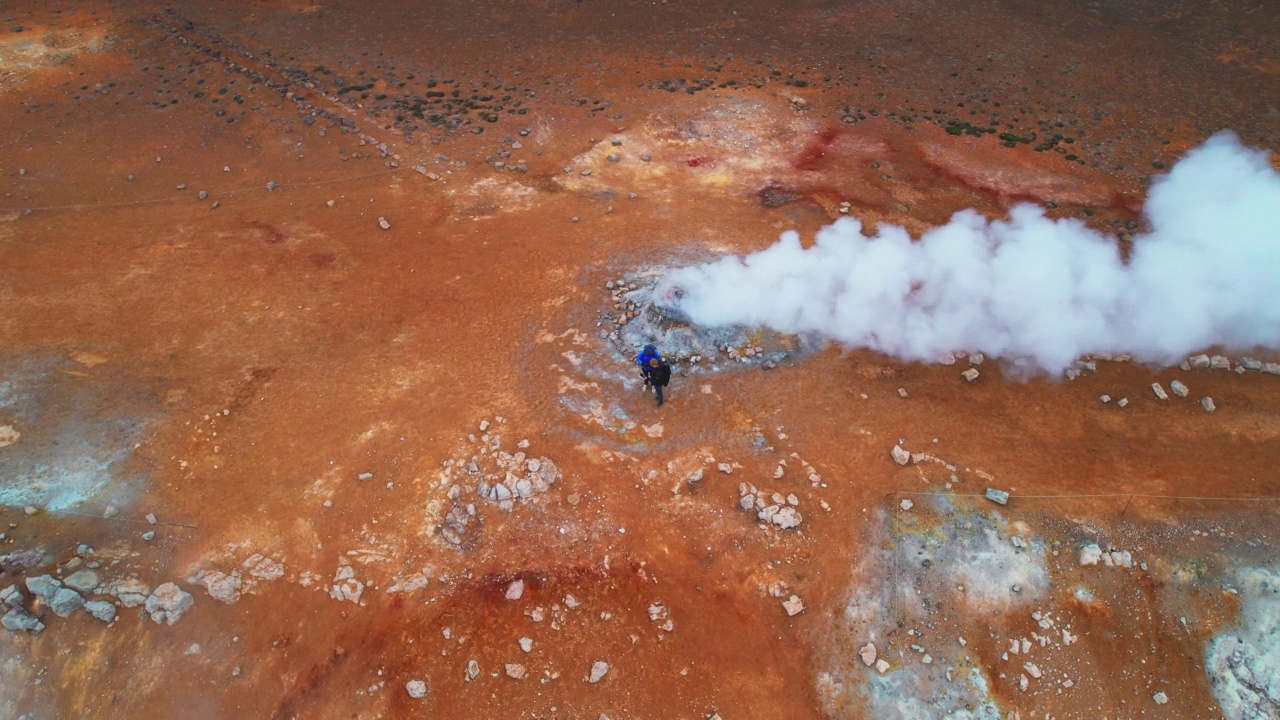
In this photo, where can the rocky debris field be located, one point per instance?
(970, 610)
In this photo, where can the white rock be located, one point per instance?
(881, 666)
(970, 375)
(1178, 388)
(515, 590)
(1122, 402)
(473, 670)
(793, 605)
(221, 586)
(526, 644)
(1032, 670)
(977, 358)
(906, 504)
(786, 518)
(598, 670)
(1105, 398)
(1158, 389)
(168, 603)
(1199, 362)
(515, 671)
(900, 456)
(1207, 404)
(382, 223)
(868, 654)
(1022, 683)
(725, 468)
(1160, 698)
(416, 689)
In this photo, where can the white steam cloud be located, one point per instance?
(1034, 291)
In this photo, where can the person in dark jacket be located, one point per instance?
(659, 375)
(643, 359)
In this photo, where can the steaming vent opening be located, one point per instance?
(645, 308)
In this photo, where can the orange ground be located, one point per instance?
(250, 361)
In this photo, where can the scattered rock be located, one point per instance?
(346, 586)
(526, 644)
(82, 580)
(725, 468)
(868, 654)
(65, 602)
(793, 605)
(168, 603)
(263, 568)
(1090, 554)
(473, 670)
(416, 689)
(382, 223)
(221, 586)
(906, 504)
(1178, 388)
(19, 620)
(970, 375)
(148, 536)
(1122, 402)
(43, 586)
(416, 581)
(900, 456)
(1000, 497)
(515, 671)
(1105, 398)
(598, 670)
(516, 589)
(11, 596)
(1160, 698)
(1158, 389)
(881, 666)
(101, 609)
(1207, 404)
(130, 593)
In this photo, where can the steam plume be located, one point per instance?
(1034, 291)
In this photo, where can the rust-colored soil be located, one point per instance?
(270, 372)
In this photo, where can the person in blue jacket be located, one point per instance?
(643, 360)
